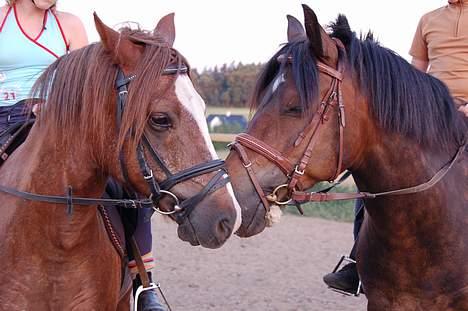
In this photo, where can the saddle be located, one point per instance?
(12, 138)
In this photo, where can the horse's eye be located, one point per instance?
(160, 122)
(294, 110)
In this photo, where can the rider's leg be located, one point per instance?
(148, 300)
(138, 224)
(347, 278)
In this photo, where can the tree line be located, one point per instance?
(227, 85)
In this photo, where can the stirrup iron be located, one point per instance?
(358, 291)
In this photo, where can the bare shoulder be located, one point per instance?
(69, 21)
(74, 29)
(3, 12)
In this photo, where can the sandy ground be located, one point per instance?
(280, 269)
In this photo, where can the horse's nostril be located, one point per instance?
(225, 228)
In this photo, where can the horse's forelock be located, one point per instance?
(303, 70)
(80, 92)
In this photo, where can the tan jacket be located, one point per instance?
(441, 39)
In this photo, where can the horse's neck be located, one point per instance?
(40, 242)
(44, 167)
(398, 163)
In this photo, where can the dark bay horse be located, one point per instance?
(91, 129)
(329, 102)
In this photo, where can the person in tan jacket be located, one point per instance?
(440, 48)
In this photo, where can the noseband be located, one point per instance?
(158, 190)
(181, 209)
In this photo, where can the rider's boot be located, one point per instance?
(345, 279)
(148, 300)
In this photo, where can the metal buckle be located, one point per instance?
(273, 197)
(176, 209)
(150, 176)
(247, 165)
(121, 93)
(140, 290)
(359, 287)
(133, 203)
(296, 171)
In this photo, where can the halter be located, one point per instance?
(295, 171)
(181, 210)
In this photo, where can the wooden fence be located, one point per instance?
(222, 138)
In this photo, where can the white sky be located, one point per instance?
(213, 32)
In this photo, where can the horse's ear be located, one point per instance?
(166, 29)
(296, 31)
(320, 42)
(123, 51)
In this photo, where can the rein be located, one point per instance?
(181, 209)
(294, 172)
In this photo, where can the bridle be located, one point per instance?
(181, 209)
(184, 208)
(295, 171)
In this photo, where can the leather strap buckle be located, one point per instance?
(150, 176)
(297, 172)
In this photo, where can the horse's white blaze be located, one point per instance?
(238, 222)
(195, 106)
(278, 81)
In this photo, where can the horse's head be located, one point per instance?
(296, 136)
(164, 148)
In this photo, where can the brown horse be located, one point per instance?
(329, 102)
(56, 261)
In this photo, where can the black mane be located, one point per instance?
(304, 72)
(402, 99)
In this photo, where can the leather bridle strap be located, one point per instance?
(303, 197)
(67, 200)
(218, 181)
(184, 209)
(295, 172)
(251, 173)
(271, 154)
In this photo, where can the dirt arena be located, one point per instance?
(281, 269)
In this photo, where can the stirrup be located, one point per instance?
(358, 291)
(140, 290)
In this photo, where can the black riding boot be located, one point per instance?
(148, 300)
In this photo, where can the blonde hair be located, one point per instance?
(12, 3)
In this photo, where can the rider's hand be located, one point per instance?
(464, 109)
(36, 109)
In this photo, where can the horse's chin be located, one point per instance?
(187, 233)
(255, 224)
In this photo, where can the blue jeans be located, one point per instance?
(10, 115)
